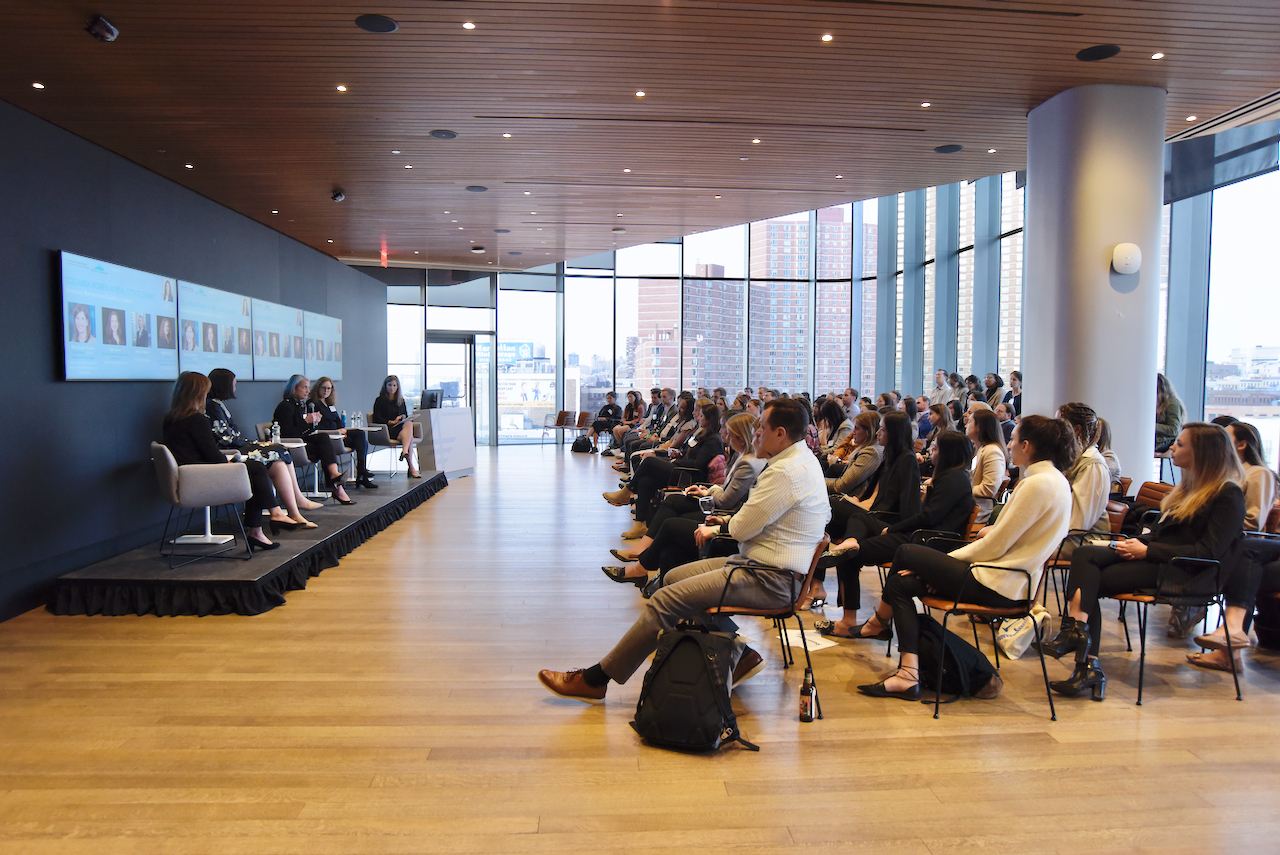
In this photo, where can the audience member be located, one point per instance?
(1113, 462)
(990, 461)
(1089, 476)
(1169, 413)
(857, 465)
(609, 417)
(1014, 396)
(1004, 413)
(994, 391)
(941, 392)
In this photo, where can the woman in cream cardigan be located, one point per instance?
(1025, 535)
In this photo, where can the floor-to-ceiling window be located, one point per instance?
(833, 313)
(527, 360)
(648, 320)
(715, 305)
(1009, 353)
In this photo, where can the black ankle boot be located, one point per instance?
(1086, 675)
(1072, 637)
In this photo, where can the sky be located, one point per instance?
(1244, 278)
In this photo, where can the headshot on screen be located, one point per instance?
(288, 347)
(228, 339)
(210, 338)
(297, 347)
(244, 347)
(298, 322)
(167, 293)
(164, 333)
(141, 330)
(190, 341)
(339, 327)
(328, 351)
(310, 349)
(259, 345)
(81, 326)
(274, 340)
(113, 327)
(244, 307)
(337, 351)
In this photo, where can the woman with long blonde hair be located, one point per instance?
(1201, 517)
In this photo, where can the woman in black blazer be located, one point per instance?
(948, 504)
(324, 396)
(389, 409)
(1202, 517)
(298, 419)
(897, 491)
(189, 438)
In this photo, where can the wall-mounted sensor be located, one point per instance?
(102, 30)
(338, 196)
(1126, 258)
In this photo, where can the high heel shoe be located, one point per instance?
(619, 574)
(1086, 676)
(1073, 636)
(262, 544)
(334, 483)
(286, 525)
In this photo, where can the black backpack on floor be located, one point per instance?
(582, 445)
(684, 703)
(965, 669)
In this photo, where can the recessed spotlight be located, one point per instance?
(826, 37)
(619, 231)
(467, 25)
(756, 141)
(408, 166)
(1191, 118)
(380, 24)
(330, 241)
(619, 215)
(533, 212)
(442, 134)
(539, 229)
(717, 196)
(449, 212)
(926, 104)
(640, 93)
(1097, 53)
(341, 88)
(744, 158)
(502, 231)
(506, 136)
(395, 151)
(478, 250)
(37, 85)
(1157, 56)
(476, 188)
(188, 166)
(949, 149)
(516, 252)
(415, 252)
(460, 228)
(526, 193)
(991, 151)
(453, 221)
(626, 170)
(275, 212)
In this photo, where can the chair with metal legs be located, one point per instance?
(379, 436)
(199, 486)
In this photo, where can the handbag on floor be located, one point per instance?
(1015, 636)
(966, 670)
(684, 703)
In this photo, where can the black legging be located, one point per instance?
(1098, 571)
(673, 545)
(357, 442)
(932, 569)
(675, 506)
(264, 496)
(320, 447)
(850, 520)
(653, 474)
(1258, 573)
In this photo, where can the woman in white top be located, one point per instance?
(1259, 481)
(988, 460)
(1089, 476)
(1025, 535)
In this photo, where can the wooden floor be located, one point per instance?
(392, 707)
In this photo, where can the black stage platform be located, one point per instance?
(141, 583)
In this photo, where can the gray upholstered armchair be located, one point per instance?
(195, 486)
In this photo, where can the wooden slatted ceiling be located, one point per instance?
(246, 93)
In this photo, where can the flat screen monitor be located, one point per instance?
(211, 326)
(322, 346)
(118, 323)
(431, 399)
(281, 332)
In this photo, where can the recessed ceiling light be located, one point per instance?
(377, 24)
(1157, 56)
(442, 134)
(756, 141)
(408, 166)
(188, 166)
(626, 170)
(275, 212)
(640, 93)
(452, 221)
(717, 195)
(395, 151)
(1097, 53)
(991, 151)
(506, 136)
(330, 241)
(839, 176)
(37, 85)
(826, 37)
(476, 188)
(539, 229)
(926, 104)
(341, 88)
(502, 231)
(744, 158)
(477, 249)
(517, 252)
(619, 215)
(460, 228)
(1191, 118)
(619, 231)
(467, 25)
(949, 149)
(526, 192)
(448, 212)
(415, 252)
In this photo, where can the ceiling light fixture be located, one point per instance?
(626, 170)
(756, 141)
(380, 24)
(342, 88)
(949, 149)
(1191, 118)
(533, 212)
(37, 85)
(502, 231)
(926, 104)
(275, 212)
(467, 25)
(517, 252)
(619, 215)
(1157, 56)
(330, 241)
(395, 151)
(839, 176)
(506, 136)
(639, 93)
(744, 158)
(991, 151)
(526, 193)
(102, 29)
(619, 231)
(452, 221)
(415, 252)
(478, 250)
(476, 188)
(826, 37)
(1097, 53)
(444, 135)
(188, 166)
(717, 196)
(408, 166)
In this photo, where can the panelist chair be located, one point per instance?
(195, 486)
(297, 449)
(781, 615)
(379, 436)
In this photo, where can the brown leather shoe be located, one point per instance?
(749, 665)
(992, 689)
(572, 685)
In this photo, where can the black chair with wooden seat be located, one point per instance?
(991, 615)
(1197, 583)
(1124, 489)
(782, 615)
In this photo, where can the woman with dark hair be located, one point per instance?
(222, 388)
(994, 389)
(1026, 533)
(947, 506)
(1104, 448)
(941, 422)
(610, 416)
(857, 458)
(298, 419)
(957, 412)
(1201, 517)
(834, 426)
(190, 439)
(695, 451)
(811, 436)
(324, 397)
(81, 325)
(909, 408)
(389, 409)
(1014, 396)
(632, 414)
(113, 328)
(897, 488)
(1089, 476)
(1259, 481)
(1169, 413)
(164, 333)
(672, 541)
(972, 384)
(956, 382)
(989, 467)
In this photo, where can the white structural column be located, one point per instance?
(1095, 171)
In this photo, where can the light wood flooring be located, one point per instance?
(392, 707)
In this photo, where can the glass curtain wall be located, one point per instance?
(527, 360)
(588, 342)
(715, 306)
(865, 290)
(1012, 217)
(834, 311)
(405, 330)
(964, 319)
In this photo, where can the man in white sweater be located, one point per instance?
(777, 529)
